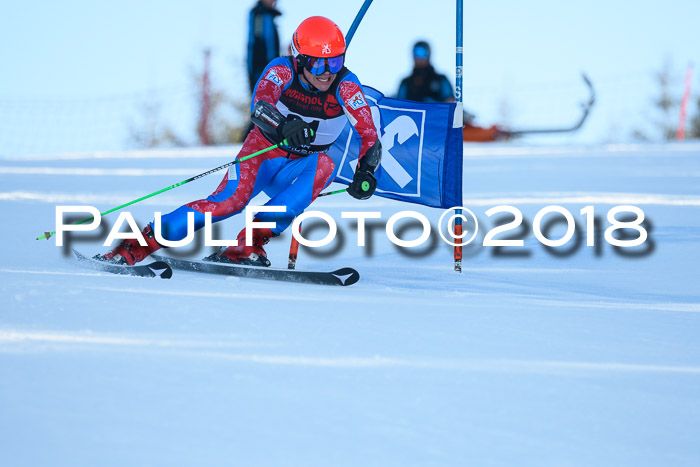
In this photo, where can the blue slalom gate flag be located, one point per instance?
(421, 151)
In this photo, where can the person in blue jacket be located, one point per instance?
(425, 84)
(263, 39)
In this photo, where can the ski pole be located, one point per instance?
(293, 251)
(332, 192)
(365, 187)
(48, 235)
(294, 245)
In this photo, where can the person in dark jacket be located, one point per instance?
(263, 39)
(425, 84)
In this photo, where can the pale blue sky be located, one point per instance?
(522, 59)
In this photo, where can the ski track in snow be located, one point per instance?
(488, 365)
(323, 297)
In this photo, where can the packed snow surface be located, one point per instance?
(582, 356)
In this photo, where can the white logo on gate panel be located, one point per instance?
(398, 130)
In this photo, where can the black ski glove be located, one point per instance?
(296, 131)
(363, 182)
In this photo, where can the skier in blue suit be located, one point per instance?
(302, 101)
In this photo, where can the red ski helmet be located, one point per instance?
(318, 45)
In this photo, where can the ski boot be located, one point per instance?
(129, 251)
(253, 255)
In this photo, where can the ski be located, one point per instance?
(154, 269)
(341, 277)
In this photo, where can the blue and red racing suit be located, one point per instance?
(291, 176)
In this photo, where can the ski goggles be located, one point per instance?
(318, 66)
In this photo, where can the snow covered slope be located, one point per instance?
(586, 357)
